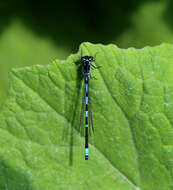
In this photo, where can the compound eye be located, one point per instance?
(90, 59)
(83, 59)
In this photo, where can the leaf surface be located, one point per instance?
(132, 105)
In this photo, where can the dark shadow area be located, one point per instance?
(12, 179)
(168, 14)
(74, 117)
(68, 23)
(71, 111)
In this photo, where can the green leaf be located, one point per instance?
(132, 105)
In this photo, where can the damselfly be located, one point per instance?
(86, 67)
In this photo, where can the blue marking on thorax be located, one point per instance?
(86, 113)
(86, 125)
(86, 151)
(86, 78)
(86, 88)
(86, 99)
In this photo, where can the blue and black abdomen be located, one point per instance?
(86, 116)
(86, 71)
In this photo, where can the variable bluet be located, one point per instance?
(86, 67)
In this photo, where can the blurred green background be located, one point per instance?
(36, 32)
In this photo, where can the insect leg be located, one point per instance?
(94, 67)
